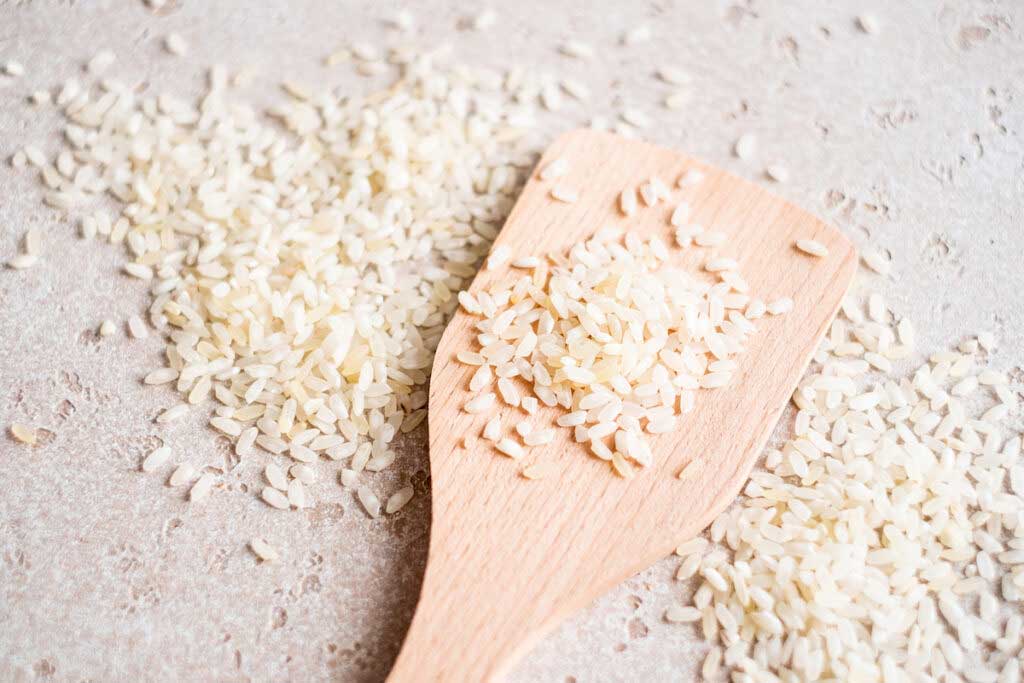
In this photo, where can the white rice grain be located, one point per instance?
(812, 247)
(577, 49)
(275, 498)
(201, 489)
(184, 473)
(22, 261)
(777, 172)
(745, 147)
(628, 202)
(137, 328)
(101, 62)
(156, 459)
(485, 20)
(555, 169)
(175, 44)
(369, 501)
(876, 261)
(172, 414)
(263, 550)
(565, 194)
(868, 23)
(480, 404)
(510, 448)
(399, 499)
(24, 434)
(780, 306)
(638, 35)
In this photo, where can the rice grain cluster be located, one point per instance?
(612, 333)
(885, 540)
(302, 265)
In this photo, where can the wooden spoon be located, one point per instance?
(511, 557)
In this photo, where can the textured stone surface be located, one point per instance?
(909, 140)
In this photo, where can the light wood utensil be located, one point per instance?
(510, 557)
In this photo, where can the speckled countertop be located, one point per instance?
(909, 139)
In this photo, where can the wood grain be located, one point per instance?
(509, 557)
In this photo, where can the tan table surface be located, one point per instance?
(909, 140)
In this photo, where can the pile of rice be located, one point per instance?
(884, 541)
(612, 333)
(301, 276)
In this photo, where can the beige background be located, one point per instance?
(908, 140)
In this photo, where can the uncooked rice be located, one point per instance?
(137, 327)
(184, 473)
(201, 489)
(100, 62)
(745, 147)
(399, 499)
(23, 261)
(812, 247)
(14, 69)
(868, 23)
(555, 169)
(275, 476)
(638, 35)
(577, 49)
(156, 459)
(576, 89)
(175, 44)
(263, 550)
(33, 242)
(40, 98)
(617, 338)
(780, 306)
(876, 261)
(565, 194)
(321, 345)
(690, 178)
(173, 413)
(486, 19)
(510, 448)
(636, 117)
(369, 500)
(275, 498)
(537, 471)
(673, 75)
(628, 202)
(777, 172)
(855, 545)
(24, 434)
(676, 100)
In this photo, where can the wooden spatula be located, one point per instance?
(511, 557)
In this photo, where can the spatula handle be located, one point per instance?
(467, 628)
(495, 582)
